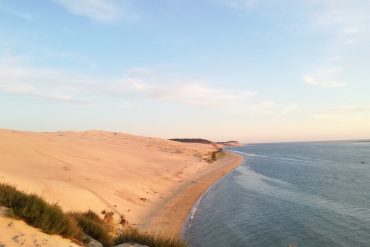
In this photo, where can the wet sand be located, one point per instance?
(169, 215)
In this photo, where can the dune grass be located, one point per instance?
(93, 226)
(132, 235)
(51, 219)
(36, 212)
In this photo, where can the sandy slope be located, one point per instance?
(17, 233)
(99, 170)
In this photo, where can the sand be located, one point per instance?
(17, 233)
(168, 217)
(142, 178)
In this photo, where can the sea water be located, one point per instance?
(306, 194)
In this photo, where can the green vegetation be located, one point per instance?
(52, 220)
(38, 213)
(132, 235)
(93, 226)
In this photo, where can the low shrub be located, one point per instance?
(93, 226)
(36, 212)
(132, 235)
(52, 220)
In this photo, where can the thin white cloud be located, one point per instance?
(348, 19)
(28, 90)
(351, 109)
(146, 83)
(21, 15)
(323, 83)
(288, 109)
(198, 94)
(326, 79)
(344, 23)
(41, 83)
(263, 107)
(19, 78)
(98, 10)
(238, 3)
(271, 107)
(342, 111)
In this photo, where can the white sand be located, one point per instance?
(17, 233)
(98, 170)
(151, 181)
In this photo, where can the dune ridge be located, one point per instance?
(130, 175)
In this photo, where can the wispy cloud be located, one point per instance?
(28, 90)
(17, 77)
(98, 10)
(345, 25)
(18, 14)
(147, 84)
(196, 94)
(342, 111)
(349, 19)
(271, 107)
(326, 79)
(352, 109)
(323, 83)
(238, 3)
(41, 83)
(288, 109)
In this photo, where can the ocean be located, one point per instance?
(302, 194)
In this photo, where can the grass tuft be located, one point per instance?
(93, 226)
(52, 220)
(132, 235)
(36, 212)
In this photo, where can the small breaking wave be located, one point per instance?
(275, 158)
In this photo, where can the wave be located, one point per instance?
(272, 187)
(275, 158)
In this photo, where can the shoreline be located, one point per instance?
(169, 216)
(189, 219)
(153, 182)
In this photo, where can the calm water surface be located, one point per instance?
(310, 194)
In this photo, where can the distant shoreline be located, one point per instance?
(169, 216)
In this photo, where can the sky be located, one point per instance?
(247, 70)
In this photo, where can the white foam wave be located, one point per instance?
(275, 158)
(189, 220)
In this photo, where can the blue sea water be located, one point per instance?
(307, 194)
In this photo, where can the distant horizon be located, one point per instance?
(253, 70)
(195, 137)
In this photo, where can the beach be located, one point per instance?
(169, 215)
(152, 182)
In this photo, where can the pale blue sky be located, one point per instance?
(253, 70)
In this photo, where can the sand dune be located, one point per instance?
(17, 233)
(98, 170)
